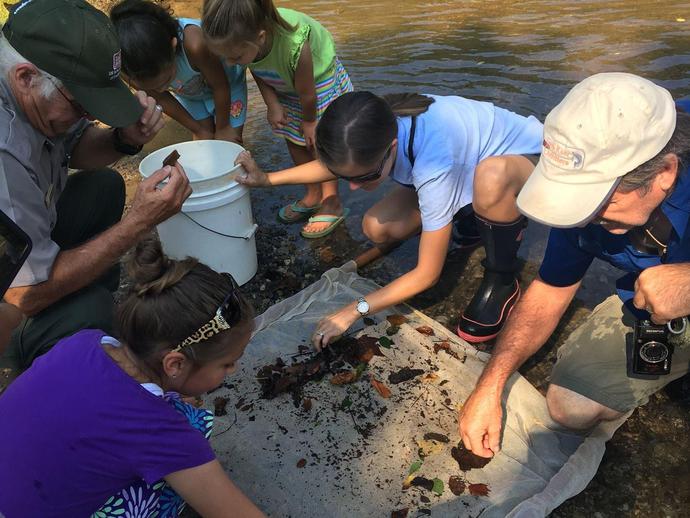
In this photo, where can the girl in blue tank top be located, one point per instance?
(168, 58)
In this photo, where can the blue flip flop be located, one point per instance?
(301, 213)
(333, 220)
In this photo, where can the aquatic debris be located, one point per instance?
(456, 485)
(404, 374)
(427, 448)
(392, 330)
(219, 406)
(445, 347)
(435, 485)
(468, 460)
(306, 404)
(430, 378)
(382, 389)
(438, 486)
(344, 378)
(415, 466)
(385, 342)
(425, 330)
(396, 320)
(400, 513)
(301, 463)
(479, 489)
(438, 437)
(171, 158)
(369, 321)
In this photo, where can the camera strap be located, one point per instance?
(652, 238)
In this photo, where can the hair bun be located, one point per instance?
(152, 271)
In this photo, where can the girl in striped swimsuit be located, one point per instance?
(292, 58)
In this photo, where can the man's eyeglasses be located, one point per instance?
(366, 177)
(227, 315)
(75, 105)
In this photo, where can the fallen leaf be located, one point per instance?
(400, 513)
(466, 459)
(369, 321)
(416, 465)
(396, 320)
(427, 448)
(346, 403)
(423, 482)
(425, 330)
(438, 486)
(327, 255)
(479, 489)
(430, 378)
(438, 437)
(383, 391)
(301, 463)
(425, 499)
(386, 342)
(404, 374)
(392, 330)
(307, 404)
(456, 485)
(219, 406)
(344, 378)
(367, 348)
(359, 370)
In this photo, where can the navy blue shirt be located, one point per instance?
(570, 251)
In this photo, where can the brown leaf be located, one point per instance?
(456, 485)
(367, 348)
(426, 330)
(479, 489)
(383, 391)
(219, 406)
(344, 378)
(301, 463)
(400, 513)
(430, 378)
(404, 374)
(306, 404)
(396, 320)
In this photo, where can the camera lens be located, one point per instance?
(653, 352)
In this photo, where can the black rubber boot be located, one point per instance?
(499, 291)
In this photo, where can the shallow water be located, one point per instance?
(524, 56)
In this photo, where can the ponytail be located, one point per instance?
(358, 127)
(145, 30)
(169, 300)
(237, 21)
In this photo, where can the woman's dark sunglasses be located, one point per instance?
(366, 177)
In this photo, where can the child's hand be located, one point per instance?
(276, 116)
(254, 176)
(202, 134)
(309, 132)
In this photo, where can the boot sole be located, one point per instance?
(473, 339)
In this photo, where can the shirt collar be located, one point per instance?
(677, 206)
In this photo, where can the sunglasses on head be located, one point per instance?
(366, 177)
(227, 315)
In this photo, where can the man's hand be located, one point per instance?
(664, 291)
(480, 422)
(152, 204)
(148, 125)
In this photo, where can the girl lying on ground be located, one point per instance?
(292, 58)
(97, 425)
(444, 153)
(168, 58)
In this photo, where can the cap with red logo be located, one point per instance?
(76, 43)
(605, 127)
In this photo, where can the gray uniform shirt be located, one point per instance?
(32, 176)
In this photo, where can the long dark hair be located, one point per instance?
(357, 127)
(169, 300)
(236, 21)
(145, 30)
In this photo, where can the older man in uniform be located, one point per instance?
(59, 70)
(613, 180)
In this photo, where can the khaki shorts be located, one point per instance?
(595, 360)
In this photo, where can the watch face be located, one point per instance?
(363, 307)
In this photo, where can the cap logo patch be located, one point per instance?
(117, 64)
(562, 156)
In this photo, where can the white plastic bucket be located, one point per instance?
(216, 223)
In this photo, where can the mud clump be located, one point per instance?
(466, 459)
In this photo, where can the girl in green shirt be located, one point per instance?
(292, 58)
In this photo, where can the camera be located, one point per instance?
(652, 351)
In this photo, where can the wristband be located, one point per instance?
(122, 147)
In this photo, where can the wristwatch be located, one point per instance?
(122, 147)
(362, 306)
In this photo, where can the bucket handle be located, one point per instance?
(248, 235)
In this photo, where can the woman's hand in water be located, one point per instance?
(254, 176)
(330, 328)
(309, 131)
(276, 116)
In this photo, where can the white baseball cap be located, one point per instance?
(605, 127)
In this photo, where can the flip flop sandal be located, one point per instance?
(300, 213)
(333, 220)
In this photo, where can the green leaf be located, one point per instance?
(385, 342)
(415, 466)
(369, 321)
(346, 403)
(359, 370)
(438, 486)
(392, 330)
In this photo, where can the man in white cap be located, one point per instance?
(612, 181)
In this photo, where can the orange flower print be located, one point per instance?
(236, 109)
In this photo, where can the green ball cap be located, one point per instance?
(77, 44)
